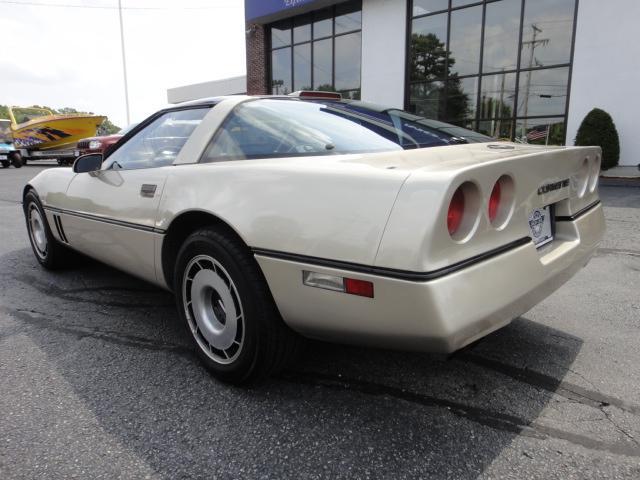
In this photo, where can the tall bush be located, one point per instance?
(598, 128)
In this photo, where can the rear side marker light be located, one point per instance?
(361, 288)
(352, 286)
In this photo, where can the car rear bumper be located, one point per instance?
(442, 314)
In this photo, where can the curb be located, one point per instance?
(620, 181)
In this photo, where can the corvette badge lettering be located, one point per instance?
(550, 187)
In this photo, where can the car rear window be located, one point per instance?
(279, 127)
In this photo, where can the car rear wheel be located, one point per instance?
(224, 302)
(51, 254)
(5, 163)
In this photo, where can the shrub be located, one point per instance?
(598, 128)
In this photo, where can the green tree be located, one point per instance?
(598, 129)
(108, 128)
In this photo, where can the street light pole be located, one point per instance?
(124, 63)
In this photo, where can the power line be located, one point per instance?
(107, 7)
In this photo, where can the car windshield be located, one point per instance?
(279, 127)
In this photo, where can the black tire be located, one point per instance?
(265, 343)
(5, 163)
(16, 159)
(55, 255)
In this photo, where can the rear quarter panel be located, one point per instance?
(334, 208)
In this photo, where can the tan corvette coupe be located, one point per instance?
(273, 217)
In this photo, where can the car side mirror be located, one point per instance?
(88, 163)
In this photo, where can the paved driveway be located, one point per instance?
(97, 380)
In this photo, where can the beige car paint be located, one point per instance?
(385, 209)
(440, 315)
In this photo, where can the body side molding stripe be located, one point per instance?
(111, 221)
(578, 214)
(391, 272)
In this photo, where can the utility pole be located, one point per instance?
(500, 103)
(124, 63)
(532, 44)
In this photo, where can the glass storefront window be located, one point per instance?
(347, 61)
(546, 33)
(281, 71)
(462, 3)
(301, 29)
(501, 32)
(323, 64)
(466, 72)
(326, 52)
(462, 95)
(424, 7)
(281, 34)
(497, 96)
(323, 24)
(543, 92)
(302, 67)
(348, 18)
(464, 41)
(428, 48)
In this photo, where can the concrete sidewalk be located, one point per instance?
(625, 175)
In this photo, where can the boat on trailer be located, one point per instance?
(41, 129)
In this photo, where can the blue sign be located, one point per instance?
(254, 9)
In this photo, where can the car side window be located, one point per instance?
(159, 143)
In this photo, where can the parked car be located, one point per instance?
(100, 143)
(274, 217)
(8, 154)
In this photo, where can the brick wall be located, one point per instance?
(257, 83)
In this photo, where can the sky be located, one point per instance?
(67, 53)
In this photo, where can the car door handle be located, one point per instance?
(148, 190)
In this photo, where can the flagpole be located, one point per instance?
(546, 142)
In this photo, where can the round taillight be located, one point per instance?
(501, 202)
(456, 211)
(494, 202)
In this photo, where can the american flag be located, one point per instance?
(538, 132)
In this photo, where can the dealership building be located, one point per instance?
(524, 70)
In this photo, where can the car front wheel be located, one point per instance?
(228, 310)
(48, 251)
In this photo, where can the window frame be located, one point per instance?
(312, 17)
(477, 119)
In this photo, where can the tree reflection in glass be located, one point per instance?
(434, 97)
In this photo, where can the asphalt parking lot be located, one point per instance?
(97, 380)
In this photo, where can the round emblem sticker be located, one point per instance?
(536, 220)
